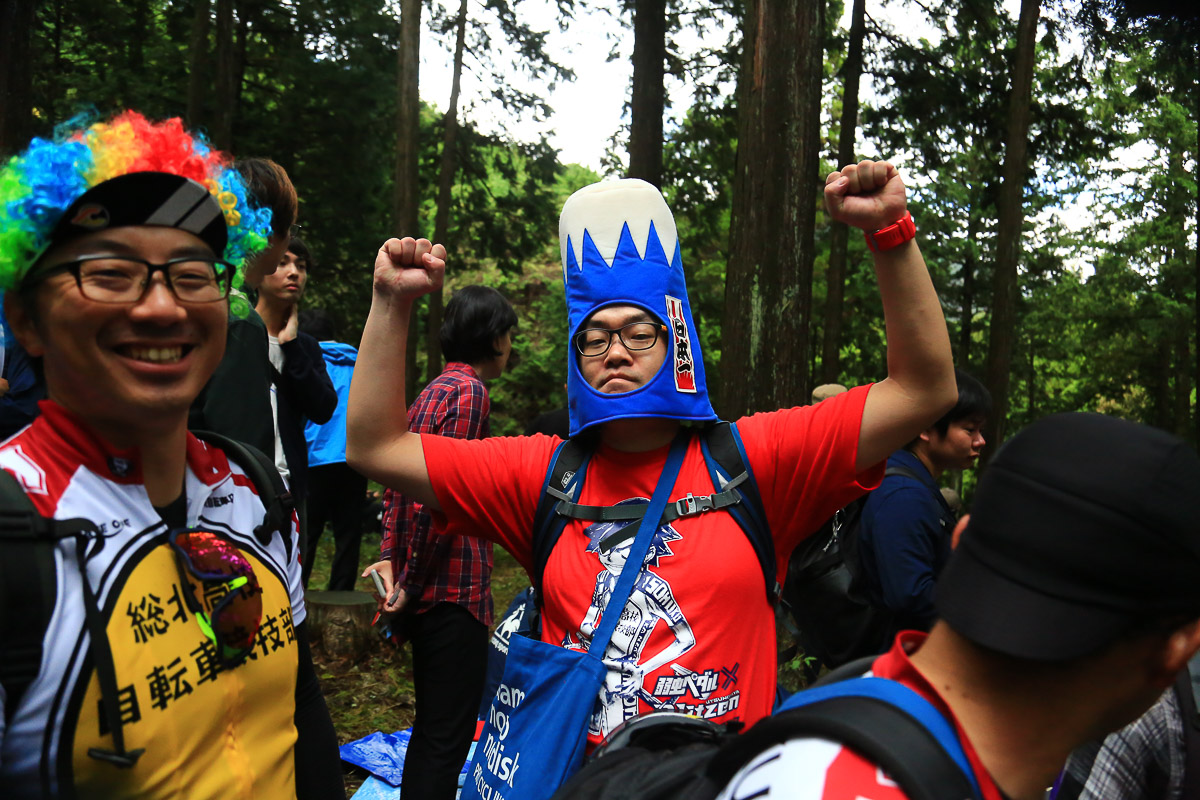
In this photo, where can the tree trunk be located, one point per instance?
(405, 191)
(649, 95)
(1182, 380)
(138, 36)
(1160, 386)
(222, 131)
(341, 624)
(247, 17)
(1196, 252)
(441, 225)
(768, 283)
(1011, 217)
(967, 307)
(835, 277)
(199, 75)
(16, 78)
(56, 83)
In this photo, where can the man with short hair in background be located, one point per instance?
(904, 539)
(300, 386)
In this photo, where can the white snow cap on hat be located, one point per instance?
(603, 209)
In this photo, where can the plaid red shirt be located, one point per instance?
(435, 568)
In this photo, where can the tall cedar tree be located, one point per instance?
(1010, 221)
(199, 78)
(768, 280)
(406, 198)
(449, 168)
(649, 94)
(16, 78)
(835, 276)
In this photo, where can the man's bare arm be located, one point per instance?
(378, 441)
(920, 385)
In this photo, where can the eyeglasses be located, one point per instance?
(122, 279)
(228, 601)
(592, 342)
(294, 231)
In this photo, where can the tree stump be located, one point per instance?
(340, 624)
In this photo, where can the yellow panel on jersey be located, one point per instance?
(208, 732)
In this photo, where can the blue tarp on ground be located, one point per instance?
(382, 755)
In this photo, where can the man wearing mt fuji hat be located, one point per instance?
(636, 384)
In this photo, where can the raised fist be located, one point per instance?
(867, 195)
(408, 268)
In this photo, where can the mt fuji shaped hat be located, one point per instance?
(620, 247)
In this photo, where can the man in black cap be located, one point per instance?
(1069, 605)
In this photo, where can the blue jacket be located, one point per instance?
(904, 542)
(327, 443)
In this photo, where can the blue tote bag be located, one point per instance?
(536, 729)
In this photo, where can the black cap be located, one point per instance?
(146, 198)
(1082, 526)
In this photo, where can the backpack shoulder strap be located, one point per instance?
(884, 721)
(730, 471)
(905, 472)
(564, 480)
(27, 591)
(902, 471)
(1187, 694)
(267, 482)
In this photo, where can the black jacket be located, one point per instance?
(304, 392)
(237, 399)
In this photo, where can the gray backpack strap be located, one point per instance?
(267, 481)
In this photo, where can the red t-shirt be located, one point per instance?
(698, 634)
(818, 769)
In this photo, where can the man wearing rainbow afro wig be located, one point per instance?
(698, 632)
(153, 642)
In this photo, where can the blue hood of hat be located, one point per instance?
(648, 281)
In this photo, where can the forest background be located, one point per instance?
(1010, 125)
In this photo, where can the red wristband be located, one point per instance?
(893, 235)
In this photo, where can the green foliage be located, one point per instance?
(1106, 317)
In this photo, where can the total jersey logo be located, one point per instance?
(685, 366)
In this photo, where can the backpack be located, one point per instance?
(826, 594)
(735, 491)
(27, 565)
(666, 756)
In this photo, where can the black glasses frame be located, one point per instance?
(224, 276)
(577, 339)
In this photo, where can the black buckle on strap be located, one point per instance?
(687, 506)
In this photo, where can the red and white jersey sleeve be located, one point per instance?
(818, 769)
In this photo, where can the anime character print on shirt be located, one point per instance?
(650, 603)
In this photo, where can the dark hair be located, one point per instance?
(974, 400)
(271, 187)
(317, 323)
(475, 317)
(300, 250)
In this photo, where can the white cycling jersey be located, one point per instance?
(206, 731)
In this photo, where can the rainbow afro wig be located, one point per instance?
(39, 186)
